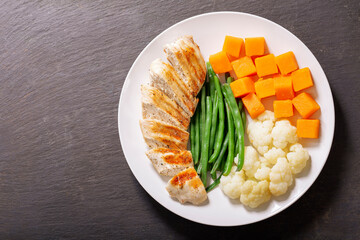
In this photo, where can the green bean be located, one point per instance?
(221, 126)
(229, 80)
(230, 99)
(231, 145)
(197, 137)
(221, 155)
(211, 83)
(213, 175)
(214, 184)
(202, 104)
(243, 117)
(240, 104)
(206, 141)
(214, 122)
(192, 136)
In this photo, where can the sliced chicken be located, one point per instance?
(169, 162)
(185, 56)
(159, 134)
(164, 77)
(186, 186)
(156, 105)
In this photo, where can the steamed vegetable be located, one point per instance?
(305, 105)
(253, 105)
(301, 79)
(308, 128)
(283, 108)
(255, 46)
(266, 65)
(286, 62)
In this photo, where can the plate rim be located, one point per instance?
(126, 86)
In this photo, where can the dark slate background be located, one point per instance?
(62, 171)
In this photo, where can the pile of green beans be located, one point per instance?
(217, 130)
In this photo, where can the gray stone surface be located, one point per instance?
(62, 171)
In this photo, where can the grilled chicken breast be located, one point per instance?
(185, 56)
(186, 186)
(165, 78)
(156, 105)
(159, 134)
(169, 162)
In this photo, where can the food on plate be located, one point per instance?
(308, 128)
(255, 46)
(243, 67)
(186, 186)
(283, 88)
(242, 86)
(167, 106)
(253, 105)
(280, 177)
(164, 77)
(266, 65)
(305, 105)
(302, 79)
(185, 56)
(264, 88)
(180, 95)
(159, 134)
(169, 162)
(232, 46)
(156, 105)
(283, 108)
(286, 62)
(220, 62)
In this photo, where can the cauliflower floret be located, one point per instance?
(263, 173)
(251, 161)
(297, 157)
(255, 193)
(280, 177)
(283, 133)
(273, 154)
(231, 184)
(259, 131)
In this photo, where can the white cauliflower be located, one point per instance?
(259, 131)
(263, 173)
(273, 154)
(255, 193)
(297, 158)
(251, 161)
(280, 177)
(231, 184)
(283, 133)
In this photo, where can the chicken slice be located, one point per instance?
(164, 77)
(186, 186)
(159, 134)
(156, 105)
(185, 56)
(169, 162)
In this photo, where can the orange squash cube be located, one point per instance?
(242, 86)
(283, 88)
(253, 105)
(308, 128)
(283, 108)
(305, 105)
(266, 65)
(220, 62)
(265, 88)
(232, 46)
(286, 62)
(243, 67)
(254, 46)
(302, 79)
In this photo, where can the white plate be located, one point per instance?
(209, 31)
